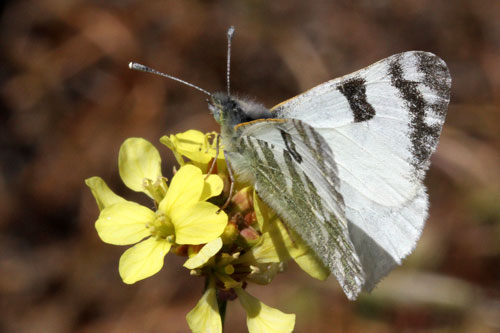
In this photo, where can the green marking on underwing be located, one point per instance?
(317, 152)
(286, 187)
(298, 213)
(302, 133)
(298, 189)
(274, 169)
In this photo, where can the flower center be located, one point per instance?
(162, 227)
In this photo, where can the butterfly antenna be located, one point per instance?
(230, 34)
(142, 68)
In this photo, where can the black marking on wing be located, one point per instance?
(290, 146)
(436, 77)
(354, 90)
(436, 73)
(423, 137)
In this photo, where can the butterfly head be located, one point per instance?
(219, 104)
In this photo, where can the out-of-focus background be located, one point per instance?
(68, 101)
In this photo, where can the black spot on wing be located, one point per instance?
(355, 91)
(423, 137)
(290, 146)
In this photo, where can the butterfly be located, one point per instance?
(343, 163)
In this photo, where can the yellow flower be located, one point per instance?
(253, 247)
(198, 147)
(183, 216)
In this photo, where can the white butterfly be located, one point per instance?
(343, 163)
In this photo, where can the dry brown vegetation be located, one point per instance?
(68, 101)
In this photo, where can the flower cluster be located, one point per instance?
(245, 242)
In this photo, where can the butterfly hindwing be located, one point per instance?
(382, 123)
(294, 172)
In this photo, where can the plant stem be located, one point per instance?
(222, 311)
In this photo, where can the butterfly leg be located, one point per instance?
(231, 186)
(214, 161)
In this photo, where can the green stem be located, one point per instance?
(222, 311)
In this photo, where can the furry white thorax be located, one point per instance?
(230, 111)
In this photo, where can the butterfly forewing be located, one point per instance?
(382, 123)
(294, 171)
(394, 107)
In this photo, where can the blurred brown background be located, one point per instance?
(68, 100)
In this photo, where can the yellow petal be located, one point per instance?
(262, 318)
(170, 144)
(205, 315)
(202, 257)
(124, 223)
(198, 224)
(312, 266)
(185, 189)
(102, 193)
(143, 260)
(301, 253)
(281, 243)
(212, 187)
(263, 213)
(266, 251)
(138, 160)
(194, 145)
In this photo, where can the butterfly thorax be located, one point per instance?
(229, 111)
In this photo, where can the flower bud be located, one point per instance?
(250, 218)
(243, 199)
(249, 237)
(230, 233)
